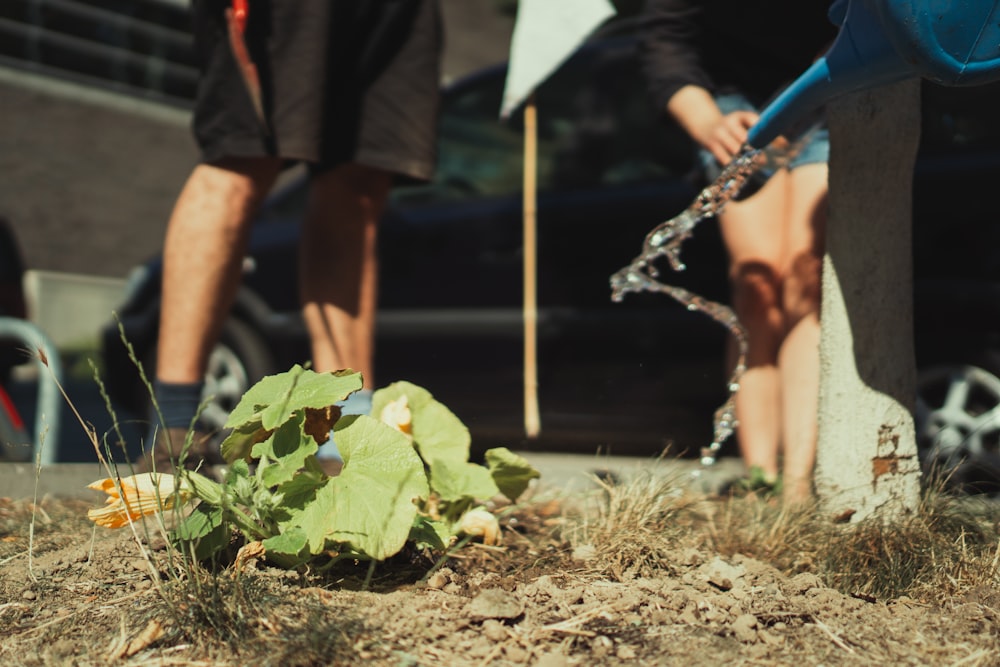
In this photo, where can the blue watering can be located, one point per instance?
(951, 42)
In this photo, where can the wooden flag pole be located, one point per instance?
(532, 420)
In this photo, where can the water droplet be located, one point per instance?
(666, 239)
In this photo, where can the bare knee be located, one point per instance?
(801, 291)
(241, 182)
(757, 297)
(352, 186)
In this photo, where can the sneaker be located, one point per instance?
(755, 483)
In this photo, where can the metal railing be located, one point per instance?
(48, 411)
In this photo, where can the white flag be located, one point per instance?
(546, 33)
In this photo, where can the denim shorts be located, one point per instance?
(813, 146)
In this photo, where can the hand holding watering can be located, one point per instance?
(951, 42)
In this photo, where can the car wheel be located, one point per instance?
(958, 425)
(238, 361)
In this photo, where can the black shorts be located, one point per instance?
(341, 81)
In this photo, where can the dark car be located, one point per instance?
(626, 377)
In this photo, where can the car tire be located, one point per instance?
(958, 423)
(237, 362)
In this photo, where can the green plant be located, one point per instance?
(406, 475)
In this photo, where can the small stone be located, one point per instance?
(516, 654)
(745, 628)
(495, 603)
(494, 630)
(438, 580)
(626, 652)
(601, 647)
(721, 574)
(29, 595)
(709, 613)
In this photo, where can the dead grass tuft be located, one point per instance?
(263, 618)
(781, 535)
(629, 529)
(950, 546)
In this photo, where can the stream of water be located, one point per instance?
(666, 239)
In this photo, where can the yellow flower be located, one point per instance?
(481, 523)
(141, 495)
(397, 415)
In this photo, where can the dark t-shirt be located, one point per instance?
(755, 47)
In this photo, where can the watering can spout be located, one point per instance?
(862, 56)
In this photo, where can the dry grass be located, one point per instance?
(643, 527)
(949, 546)
(623, 530)
(631, 529)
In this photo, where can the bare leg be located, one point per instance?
(204, 247)
(338, 267)
(750, 229)
(799, 355)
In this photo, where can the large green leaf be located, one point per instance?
(370, 505)
(437, 432)
(512, 473)
(272, 402)
(241, 440)
(205, 530)
(275, 398)
(296, 494)
(458, 480)
(285, 452)
(427, 533)
(287, 549)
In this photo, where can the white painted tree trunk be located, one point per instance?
(867, 456)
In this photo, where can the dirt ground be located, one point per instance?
(73, 596)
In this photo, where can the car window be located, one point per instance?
(596, 127)
(478, 155)
(599, 127)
